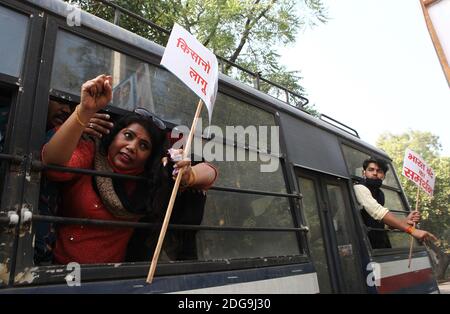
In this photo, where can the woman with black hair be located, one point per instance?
(136, 146)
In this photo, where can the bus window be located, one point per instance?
(246, 174)
(173, 101)
(229, 111)
(13, 36)
(394, 202)
(355, 158)
(244, 210)
(78, 59)
(135, 83)
(390, 179)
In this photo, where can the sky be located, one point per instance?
(373, 67)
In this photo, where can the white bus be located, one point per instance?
(297, 229)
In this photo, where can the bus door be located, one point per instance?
(332, 238)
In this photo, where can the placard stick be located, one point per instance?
(411, 244)
(162, 234)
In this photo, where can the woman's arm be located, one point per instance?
(204, 175)
(95, 95)
(201, 176)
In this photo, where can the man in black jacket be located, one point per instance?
(375, 215)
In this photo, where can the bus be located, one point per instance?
(294, 229)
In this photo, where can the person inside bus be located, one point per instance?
(135, 146)
(178, 244)
(59, 110)
(57, 113)
(370, 196)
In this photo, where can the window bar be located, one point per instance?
(399, 211)
(129, 224)
(14, 158)
(39, 166)
(383, 230)
(258, 192)
(117, 16)
(134, 15)
(257, 83)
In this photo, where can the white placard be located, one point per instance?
(193, 64)
(416, 170)
(440, 17)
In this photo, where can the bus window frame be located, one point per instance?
(113, 271)
(55, 274)
(23, 9)
(26, 81)
(12, 89)
(363, 229)
(23, 88)
(8, 80)
(290, 178)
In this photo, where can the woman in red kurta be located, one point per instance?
(86, 243)
(135, 146)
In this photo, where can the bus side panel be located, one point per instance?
(300, 278)
(394, 276)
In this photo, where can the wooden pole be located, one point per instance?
(443, 58)
(411, 244)
(162, 234)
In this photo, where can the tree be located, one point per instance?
(435, 211)
(243, 31)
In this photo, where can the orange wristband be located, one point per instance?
(410, 229)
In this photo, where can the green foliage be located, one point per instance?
(242, 31)
(435, 211)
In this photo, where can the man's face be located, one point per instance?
(57, 113)
(373, 171)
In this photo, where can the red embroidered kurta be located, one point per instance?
(86, 244)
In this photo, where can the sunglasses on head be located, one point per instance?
(147, 114)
